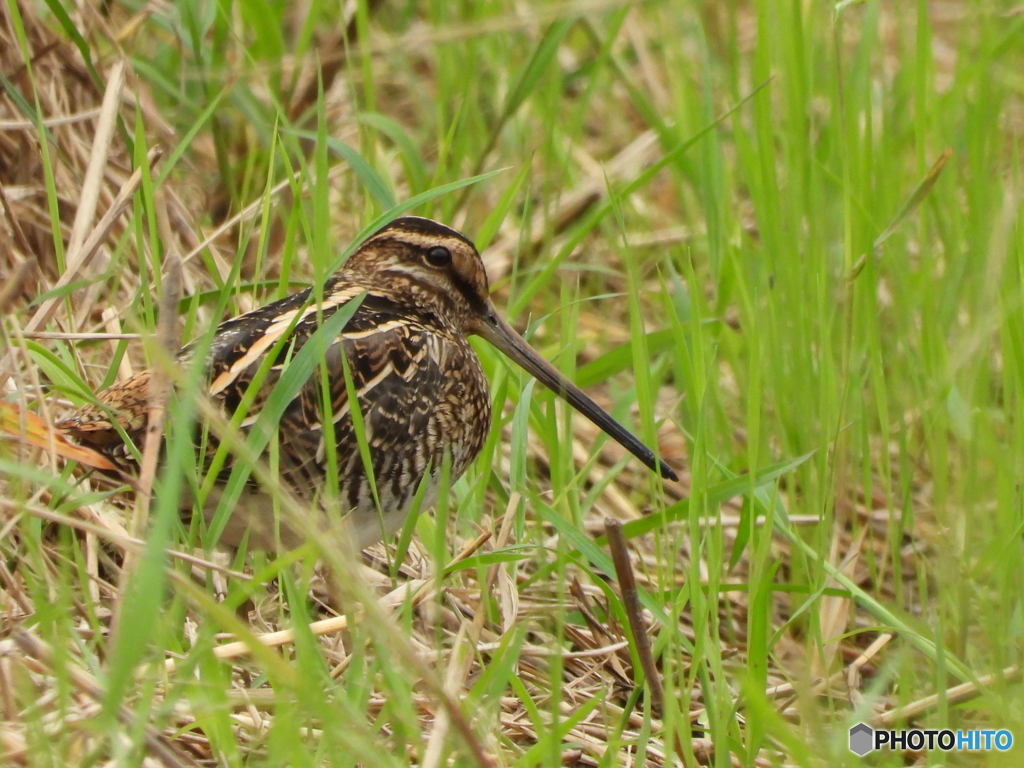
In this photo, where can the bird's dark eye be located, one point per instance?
(439, 256)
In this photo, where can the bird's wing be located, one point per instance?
(395, 365)
(238, 347)
(400, 369)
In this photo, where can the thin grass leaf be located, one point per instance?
(415, 169)
(589, 549)
(60, 292)
(915, 199)
(553, 740)
(42, 478)
(57, 370)
(486, 231)
(536, 67)
(374, 184)
(26, 109)
(71, 30)
(714, 495)
(596, 214)
(513, 554)
(405, 207)
(170, 160)
(292, 379)
(621, 359)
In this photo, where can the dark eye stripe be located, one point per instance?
(468, 292)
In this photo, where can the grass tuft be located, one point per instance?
(781, 240)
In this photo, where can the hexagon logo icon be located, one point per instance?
(862, 739)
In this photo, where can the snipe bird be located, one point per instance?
(422, 393)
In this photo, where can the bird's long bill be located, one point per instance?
(503, 336)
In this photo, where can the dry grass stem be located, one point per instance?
(634, 612)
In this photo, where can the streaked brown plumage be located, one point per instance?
(422, 392)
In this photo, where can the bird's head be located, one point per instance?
(435, 265)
